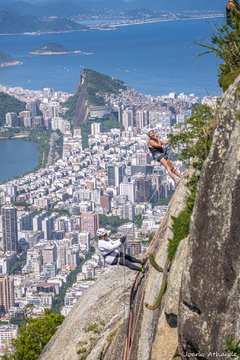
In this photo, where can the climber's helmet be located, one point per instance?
(101, 232)
(150, 132)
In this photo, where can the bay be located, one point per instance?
(17, 157)
(155, 58)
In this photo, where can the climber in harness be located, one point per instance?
(232, 12)
(155, 146)
(109, 250)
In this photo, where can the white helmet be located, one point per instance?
(148, 130)
(101, 232)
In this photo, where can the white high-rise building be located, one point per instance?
(49, 254)
(127, 118)
(142, 118)
(11, 119)
(96, 128)
(9, 228)
(128, 190)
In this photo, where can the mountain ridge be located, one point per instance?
(12, 23)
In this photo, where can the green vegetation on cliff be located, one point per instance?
(195, 139)
(95, 85)
(9, 104)
(98, 84)
(226, 46)
(233, 347)
(71, 104)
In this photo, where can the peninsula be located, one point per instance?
(6, 60)
(54, 49)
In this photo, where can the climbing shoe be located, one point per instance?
(143, 261)
(176, 182)
(143, 270)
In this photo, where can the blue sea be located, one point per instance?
(17, 157)
(155, 58)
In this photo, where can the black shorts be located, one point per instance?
(159, 156)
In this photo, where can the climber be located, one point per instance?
(232, 11)
(108, 248)
(155, 145)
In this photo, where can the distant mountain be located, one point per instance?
(19, 7)
(53, 8)
(93, 86)
(12, 23)
(147, 4)
(63, 8)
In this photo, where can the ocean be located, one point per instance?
(155, 58)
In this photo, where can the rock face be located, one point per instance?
(210, 300)
(82, 109)
(92, 324)
(201, 306)
(102, 309)
(154, 331)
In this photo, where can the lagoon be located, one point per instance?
(17, 157)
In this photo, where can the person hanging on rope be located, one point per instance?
(232, 12)
(109, 250)
(155, 146)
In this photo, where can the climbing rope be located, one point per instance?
(133, 318)
(124, 277)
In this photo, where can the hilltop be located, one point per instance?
(93, 85)
(13, 23)
(90, 93)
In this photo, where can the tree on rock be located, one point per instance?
(34, 335)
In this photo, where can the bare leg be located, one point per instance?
(175, 172)
(165, 163)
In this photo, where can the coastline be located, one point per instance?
(60, 53)
(9, 64)
(44, 146)
(159, 20)
(100, 25)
